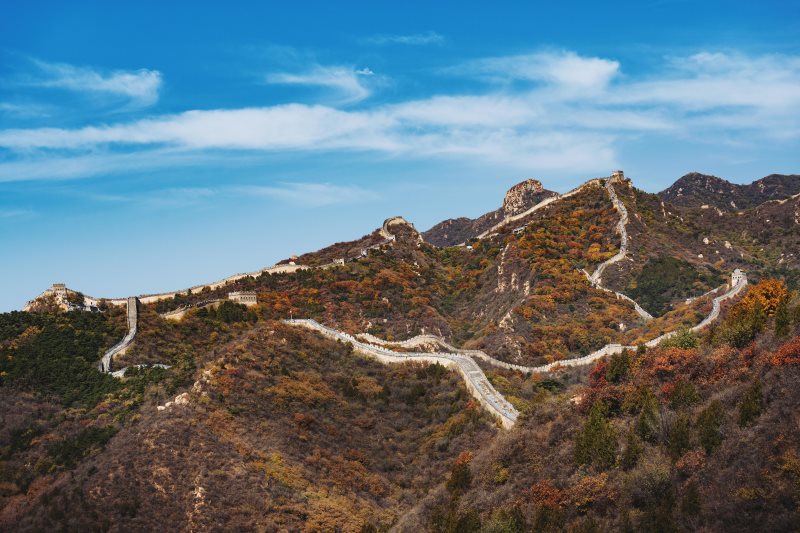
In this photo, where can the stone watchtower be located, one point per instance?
(617, 175)
(247, 298)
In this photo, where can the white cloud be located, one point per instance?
(570, 120)
(140, 87)
(346, 82)
(716, 80)
(564, 69)
(429, 37)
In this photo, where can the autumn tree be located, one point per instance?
(769, 294)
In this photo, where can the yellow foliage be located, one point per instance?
(277, 470)
(589, 490)
(305, 387)
(768, 294)
(368, 386)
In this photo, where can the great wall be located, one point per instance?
(597, 276)
(462, 360)
(477, 382)
(133, 313)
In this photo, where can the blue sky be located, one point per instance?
(152, 147)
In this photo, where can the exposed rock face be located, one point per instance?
(522, 196)
(519, 198)
(696, 190)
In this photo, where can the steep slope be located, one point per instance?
(281, 430)
(695, 190)
(259, 425)
(692, 438)
(669, 257)
(767, 236)
(519, 198)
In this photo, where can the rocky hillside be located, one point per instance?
(697, 190)
(518, 199)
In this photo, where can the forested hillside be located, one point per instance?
(252, 423)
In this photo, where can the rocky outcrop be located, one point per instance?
(519, 198)
(522, 196)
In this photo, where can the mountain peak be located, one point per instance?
(521, 196)
(518, 199)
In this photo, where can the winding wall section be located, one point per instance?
(108, 358)
(738, 283)
(596, 277)
(476, 381)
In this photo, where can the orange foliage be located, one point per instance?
(597, 376)
(590, 490)
(673, 362)
(464, 458)
(545, 494)
(788, 354)
(768, 294)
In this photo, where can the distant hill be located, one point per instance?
(697, 190)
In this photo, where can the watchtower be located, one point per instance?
(247, 298)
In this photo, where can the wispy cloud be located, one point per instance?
(139, 87)
(428, 37)
(347, 83)
(299, 194)
(25, 110)
(309, 194)
(562, 68)
(569, 117)
(15, 213)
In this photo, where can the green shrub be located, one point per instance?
(679, 436)
(505, 521)
(647, 422)
(709, 422)
(632, 451)
(596, 444)
(752, 404)
(619, 367)
(683, 338)
(683, 395)
(71, 450)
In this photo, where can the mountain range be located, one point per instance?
(602, 359)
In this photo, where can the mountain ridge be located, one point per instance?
(695, 190)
